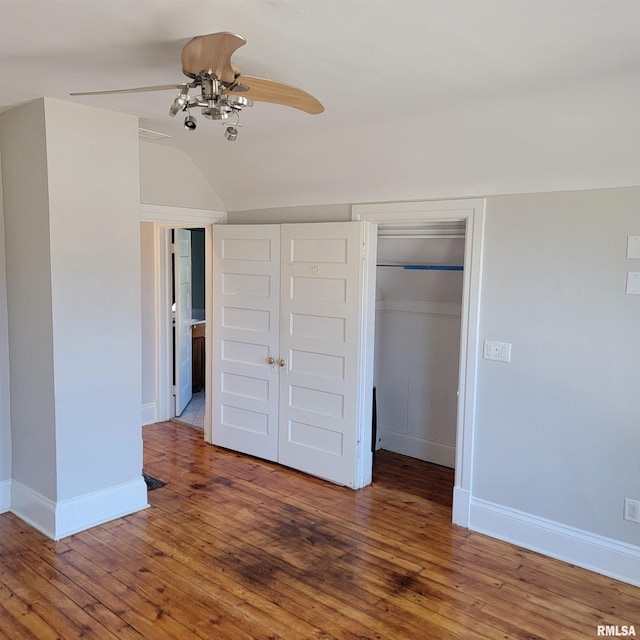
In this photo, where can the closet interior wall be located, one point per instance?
(418, 346)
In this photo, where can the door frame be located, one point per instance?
(166, 218)
(422, 215)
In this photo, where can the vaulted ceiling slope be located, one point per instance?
(422, 98)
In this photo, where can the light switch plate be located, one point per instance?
(633, 283)
(633, 247)
(500, 351)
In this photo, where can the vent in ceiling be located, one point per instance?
(151, 136)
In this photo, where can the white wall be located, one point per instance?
(558, 429)
(71, 196)
(169, 177)
(5, 414)
(26, 212)
(95, 277)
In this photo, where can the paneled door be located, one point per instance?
(320, 323)
(291, 381)
(182, 322)
(246, 301)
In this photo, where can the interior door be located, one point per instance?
(182, 325)
(246, 289)
(322, 404)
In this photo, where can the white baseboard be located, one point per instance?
(149, 413)
(5, 496)
(66, 517)
(441, 453)
(33, 508)
(461, 503)
(607, 556)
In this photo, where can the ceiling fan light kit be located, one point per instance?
(190, 123)
(231, 133)
(181, 102)
(207, 61)
(214, 101)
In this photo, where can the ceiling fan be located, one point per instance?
(223, 90)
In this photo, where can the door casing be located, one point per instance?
(420, 215)
(166, 218)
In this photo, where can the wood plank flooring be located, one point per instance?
(236, 548)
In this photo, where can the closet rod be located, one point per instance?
(424, 267)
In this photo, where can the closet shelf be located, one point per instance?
(425, 267)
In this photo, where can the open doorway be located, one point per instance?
(419, 282)
(188, 315)
(157, 224)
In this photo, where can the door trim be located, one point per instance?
(181, 216)
(166, 218)
(423, 214)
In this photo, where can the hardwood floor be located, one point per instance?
(233, 548)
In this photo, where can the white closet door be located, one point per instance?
(246, 298)
(320, 331)
(182, 327)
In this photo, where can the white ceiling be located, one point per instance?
(423, 98)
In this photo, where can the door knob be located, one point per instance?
(270, 360)
(282, 362)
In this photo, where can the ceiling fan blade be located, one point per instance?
(158, 87)
(212, 54)
(264, 90)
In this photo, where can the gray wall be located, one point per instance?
(558, 429)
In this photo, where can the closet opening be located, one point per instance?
(437, 214)
(419, 290)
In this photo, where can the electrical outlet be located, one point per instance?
(632, 510)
